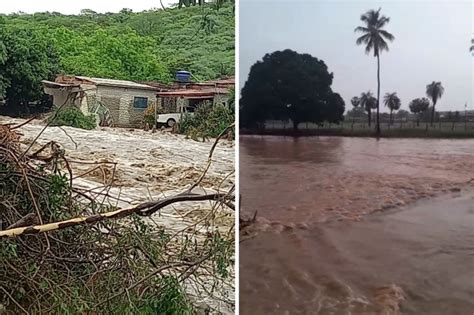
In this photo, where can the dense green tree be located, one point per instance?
(355, 101)
(356, 111)
(368, 102)
(402, 114)
(418, 106)
(140, 46)
(29, 57)
(375, 39)
(434, 91)
(392, 101)
(110, 54)
(3, 59)
(188, 3)
(287, 85)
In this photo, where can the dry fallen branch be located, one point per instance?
(87, 266)
(209, 159)
(144, 209)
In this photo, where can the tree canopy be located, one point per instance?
(288, 85)
(419, 105)
(28, 57)
(374, 36)
(368, 102)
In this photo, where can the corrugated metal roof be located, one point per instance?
(58, 84)
(194, 92)
(117, 83)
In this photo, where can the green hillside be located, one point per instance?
(149, 45)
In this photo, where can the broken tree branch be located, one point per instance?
(209, 159)
(144, 209)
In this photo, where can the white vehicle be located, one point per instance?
(171, 119)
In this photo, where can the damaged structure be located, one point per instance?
(122, 103)
(115, 102)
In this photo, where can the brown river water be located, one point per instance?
(357, 226)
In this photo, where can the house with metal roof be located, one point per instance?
(116, 102)
(122, 103)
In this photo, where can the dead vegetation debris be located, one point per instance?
(66, 250)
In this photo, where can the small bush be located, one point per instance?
(73, 117)
(149, 115)
(208, 121)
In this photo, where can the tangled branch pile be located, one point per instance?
(64, 251)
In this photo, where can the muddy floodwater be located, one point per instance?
(357, 226)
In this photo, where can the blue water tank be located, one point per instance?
(183, 76)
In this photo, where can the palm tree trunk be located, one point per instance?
(369, 113)
(432, 113)
(391, 116)
(295, 126)
(377, 128)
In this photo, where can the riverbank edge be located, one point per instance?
(392, 133)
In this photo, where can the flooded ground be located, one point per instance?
(148, 166)
(316, 250)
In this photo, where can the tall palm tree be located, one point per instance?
(368, 102)
(434, 91)
(392, 101)
(472, 46)
(374, 38)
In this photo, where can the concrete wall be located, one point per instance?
(120, 103)
(60, 96)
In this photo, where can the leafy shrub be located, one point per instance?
(208, 121)
(149, 115)
(73, 117)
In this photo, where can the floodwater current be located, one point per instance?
(357, 226)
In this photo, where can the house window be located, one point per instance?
(140, 102)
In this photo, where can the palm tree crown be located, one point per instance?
(374, 36)
(355, 101)
(367, 101)
(434, 91)
(392, 101)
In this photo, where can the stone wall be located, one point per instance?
(120, 103)
(88, 98)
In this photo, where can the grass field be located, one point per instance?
(361, 129)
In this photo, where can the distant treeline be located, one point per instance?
(149, 45)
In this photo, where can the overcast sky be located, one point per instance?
(74, 7)
(432, 40)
